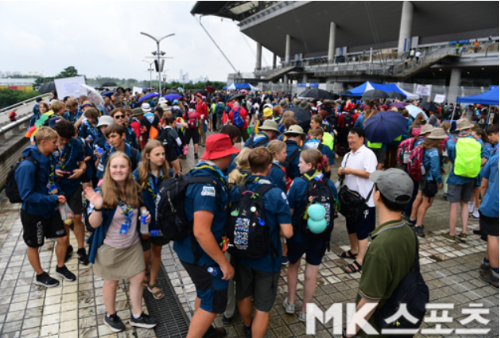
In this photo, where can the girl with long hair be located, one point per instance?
(311, 164)
(242, 170)
(277, 174)
(149, 175)
(115, 248)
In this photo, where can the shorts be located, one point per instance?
(260, 285)
(380, 153)
(158, 241)
(36, 227)
(211, 290)
(429, 188)
(171, 154)
(75, 201)
(314, 250)
(364, 225)
(85, 178)
(460, 192)
(243, 135)
(488, 225)
(192, 134)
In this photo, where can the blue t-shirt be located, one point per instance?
(293, 168)
(432, 164)
(325, 150)
(489, 206)
(68, 159)
(277, 176)
(199, 197)
(296, 195)
(277, 212)
(452, 154)
(104, 159)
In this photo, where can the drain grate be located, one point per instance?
(172, 320)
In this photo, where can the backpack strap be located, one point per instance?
(37, 166)
(416, 266)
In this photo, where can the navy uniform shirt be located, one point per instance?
(277, 212)
(258, 138)
(68, 159)
(325, 150)
(277, 176)
(293, 168)
(104, 159)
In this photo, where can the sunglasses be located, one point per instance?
(119, 116)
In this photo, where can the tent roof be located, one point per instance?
(239, 86)
(489, 98)
(387, 88)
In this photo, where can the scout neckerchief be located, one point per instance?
(52, 175)
(92, 129)
(72, 119)
(64, 157)
(207, 164)
(128, 212)
(153, 184)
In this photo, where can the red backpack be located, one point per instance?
(404, 150)
(416, 167)
(192, 119)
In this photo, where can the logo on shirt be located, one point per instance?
(208, 191)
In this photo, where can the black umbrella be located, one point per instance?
(316, 93)
(109, 84)
(202, 91)
(47, 87)
(429, 106)
(303, 117)
(374, 94)
(397, 95)
(237, 97)
(345, 93)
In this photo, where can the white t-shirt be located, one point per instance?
(362, 159)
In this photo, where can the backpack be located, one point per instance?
(259, 143)
(11, 188)
(404, 150)
(219, 108)
(468, 159)
(246, 228)
(237, 120)
(318, 192)
(171, 214)
(289, 160)
(348, 121)
(192, 119)
(411, 291)
(415, 164)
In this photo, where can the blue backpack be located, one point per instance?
(237, 120)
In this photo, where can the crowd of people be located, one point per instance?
(261, 195)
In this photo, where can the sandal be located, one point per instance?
(145, 283)
(354, 267)
(155, 294)
(347, 254)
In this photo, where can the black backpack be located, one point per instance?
(289, 160)
(332, 120)
(348, 121)
(11, 188)
(171, 214)
(411, 291)
(252, 145)
(247, 231)
(319, 192)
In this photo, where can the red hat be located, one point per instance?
(479, 106)
(349, 107)
(218, 146)
(199, 95)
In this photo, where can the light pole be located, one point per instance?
(150, 73)
(158, 53)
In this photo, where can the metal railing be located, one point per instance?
(9, 108)
(15, 128)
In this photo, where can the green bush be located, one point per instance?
(9, 97)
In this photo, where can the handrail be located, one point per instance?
(15, 124)
(4, 110)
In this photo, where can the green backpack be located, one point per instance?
(468, 159)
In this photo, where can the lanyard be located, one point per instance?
(52, 174)
(93, 130)
(64, 159)
(128, 212)
(494, 150)
(153, 184)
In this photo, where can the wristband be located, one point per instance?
(95, 209)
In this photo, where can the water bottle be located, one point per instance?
(155, 233)
(90, 138)
(66, 213)
(213, 271)
(99, 150)
(144, 225)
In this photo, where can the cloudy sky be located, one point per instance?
(103, 38)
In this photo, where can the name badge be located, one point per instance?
(124, 229)
(53, 189)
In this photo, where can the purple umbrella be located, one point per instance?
(399, 105)
(172, 96)
(148, 96)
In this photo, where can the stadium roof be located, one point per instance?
(235, 10)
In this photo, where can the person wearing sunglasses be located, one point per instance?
(119, 116)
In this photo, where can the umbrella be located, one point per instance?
(210, 89)
(397, 95)
(148, 96)
(243, 91)
(237, 97)
(47, 87)
(316, 93)
(172, 96)
(108, 93)
(385, 126)
(109, 84)
(180, 89)
(429, 106)
(345, 93)
(414, 111)
(303, 117)
(374, 94)
(94, 97)
(202, 92)
(399, 105)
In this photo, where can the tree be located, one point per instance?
(9, 97)
(68, 72)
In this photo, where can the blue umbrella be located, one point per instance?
(385, 126)
(414, 111)
(108, 93)
(148, 96)
(172, 96)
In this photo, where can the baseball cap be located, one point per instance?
(218, 146)
(393, 184)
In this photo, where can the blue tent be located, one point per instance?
(489, 98)
(238, 86)
(387, 88)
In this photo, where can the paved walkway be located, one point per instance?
(76, 309)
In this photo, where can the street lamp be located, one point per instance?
(150, 73)
(159, 54)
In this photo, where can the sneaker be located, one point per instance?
(484, 268)
(489, 278)
(114, 322)
(449, 237)
(284, 260)
(195, 156)
(472, 216)
(65, 273)
(217, 332)
(247, 331)
(419, 231)
(82, 256)
(228, 320)
(144, 321)
(289, 308)
(462, 237)
(45, 280)
(411, 223)
(302, 316)
(69, 252)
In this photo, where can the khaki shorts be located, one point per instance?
(118, 264)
